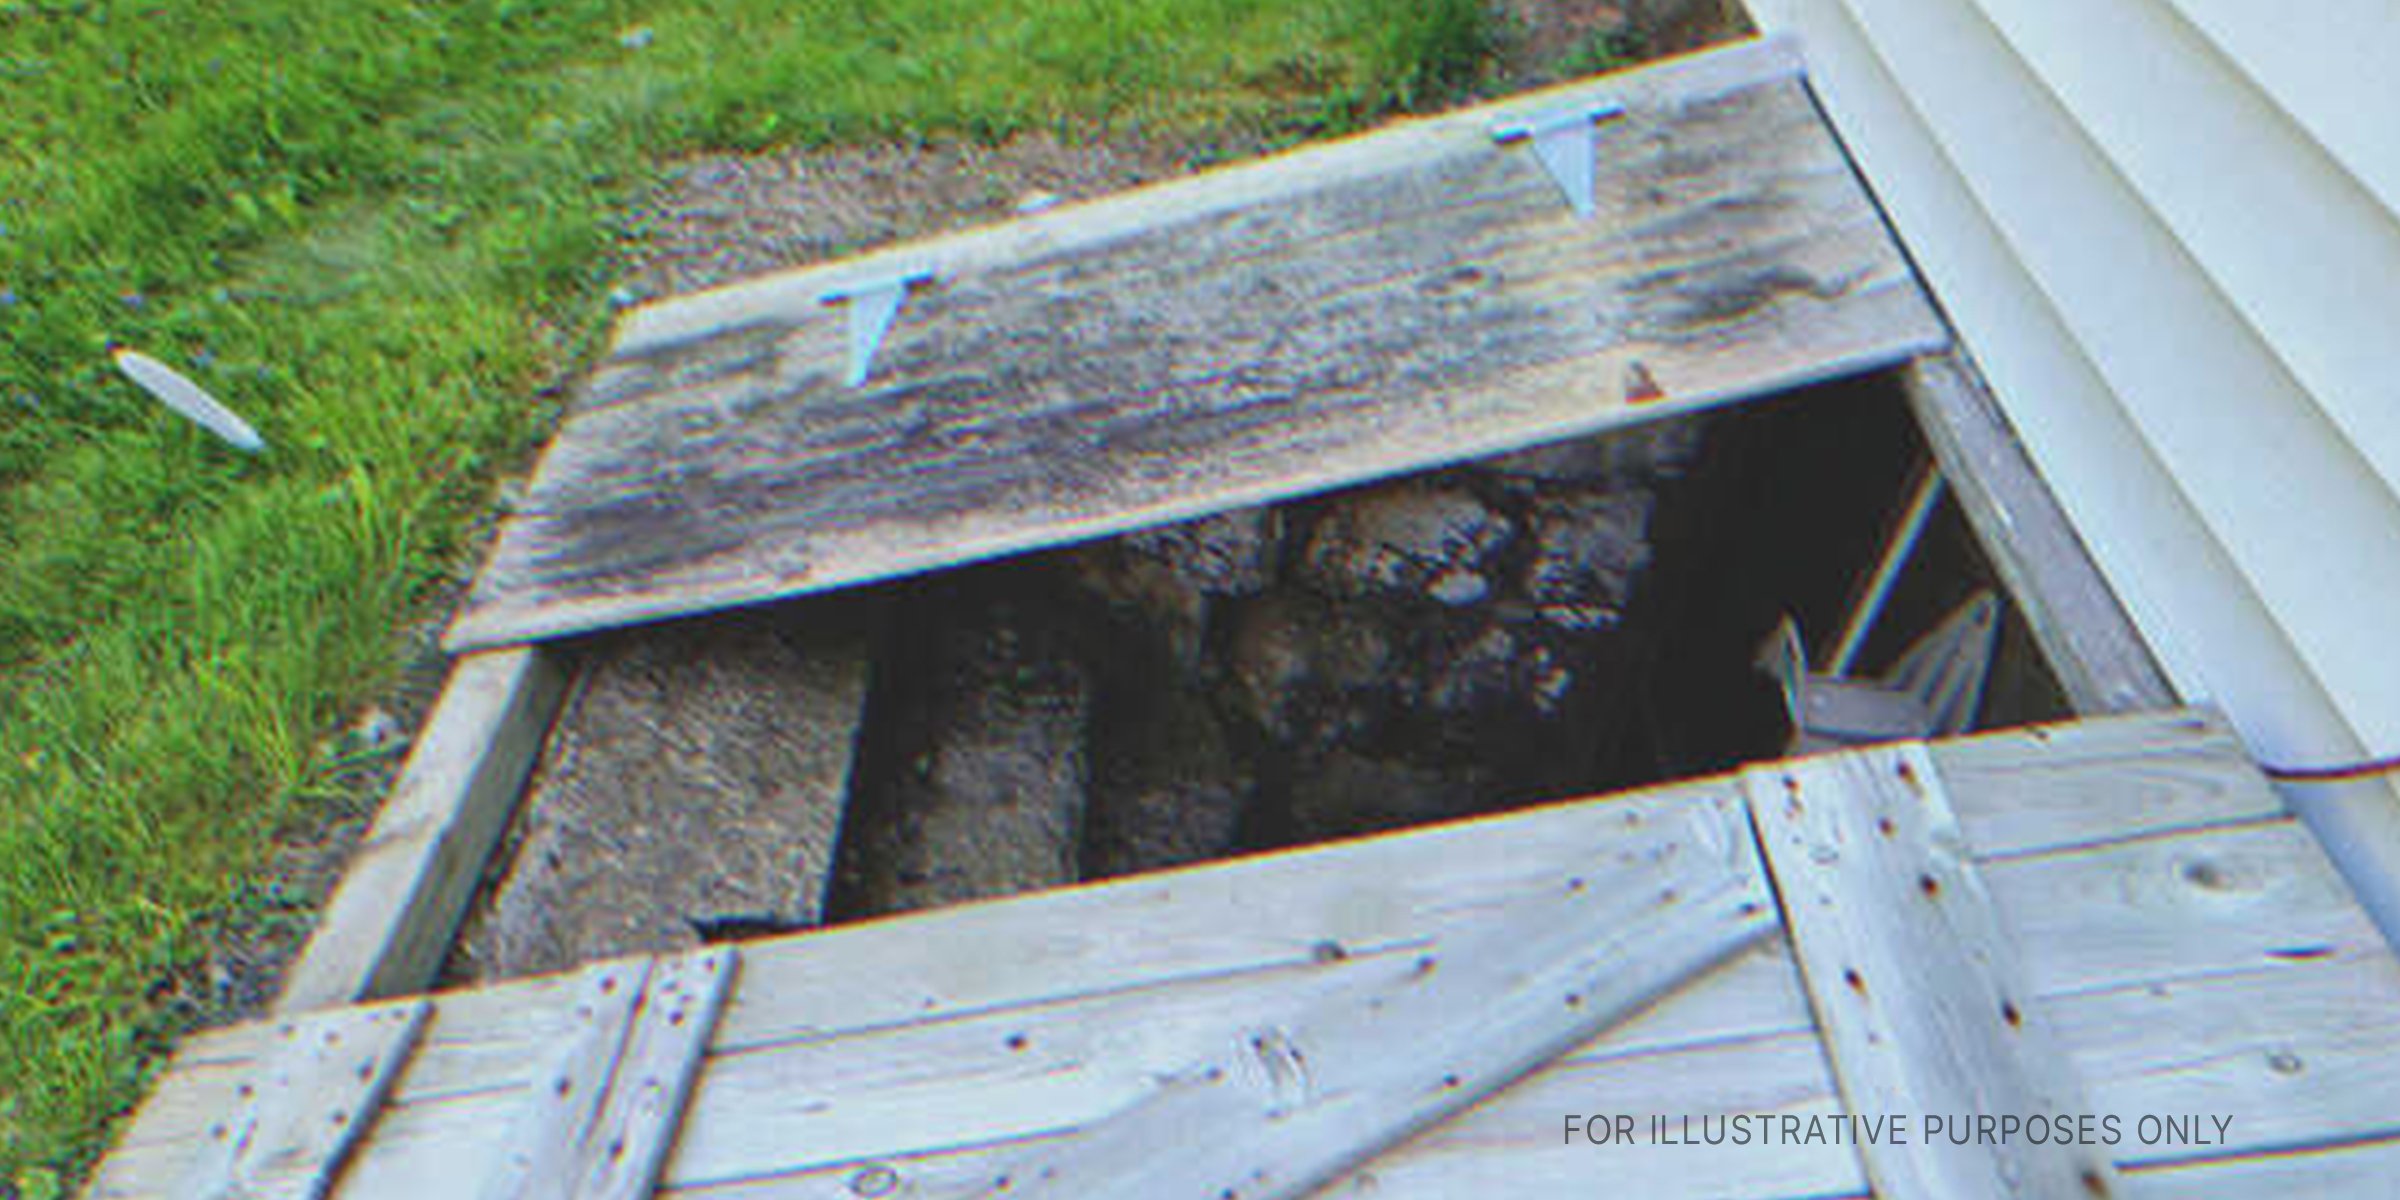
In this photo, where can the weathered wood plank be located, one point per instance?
(563, 1101)
(2330, 1024)
(785, 297)
(308, 1108)
(1915, 984)
(2099, 658)
(1514, 1146)
(2139, 1045)
(2367, 1169)
(2199, 924)
(1018, 1072)
(2167, 907)
(643, 1116)
(1010, 1073)
(2102, 779)
(2139, 775)
(389, 924)
(598, 1120)
(2299, 1053)
(1293, 1099)
(1361, 323)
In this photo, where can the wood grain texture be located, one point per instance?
(2102, 779)
(598, 1120)
(2092, 646)
(1924, 1010)
(1294, 1098)
(2180, 936)
(1513, 1146)
(563, 1102)
(303, 1113)
(2362, 1170)
(785, 297)
(1365, 314)
(388, 927)
(643, 1116)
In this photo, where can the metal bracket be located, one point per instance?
(1565, 141)
(1933, 690)
(873, 305)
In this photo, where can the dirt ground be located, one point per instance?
(717, 218)
(721, 217)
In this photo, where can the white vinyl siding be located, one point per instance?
(2165, 230)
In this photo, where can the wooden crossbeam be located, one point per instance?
(1292, 1101)
(2180, 936)
(388, 928)
(566, 1096)
(304, 1112)
(644, 1112)
(1394, 303)
(602, 1116)
(1915, 985)
(2099, 658)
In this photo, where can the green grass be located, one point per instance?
(378, 229)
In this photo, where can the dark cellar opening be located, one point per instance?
(1285, 678)
(1565, 622)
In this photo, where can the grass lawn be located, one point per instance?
(377, 228)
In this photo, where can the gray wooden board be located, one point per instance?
(2093, 781)
(598, 1120)
(2099, 658)
(389, 925)
(1295, 1098)
(1914, 982)
(559, 1109)
(1521, 1151)
(2180, 935)
(301, 1114)
(1399, 302)
(766, 1113)
(643, 1116)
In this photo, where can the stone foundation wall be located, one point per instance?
(1419, 650)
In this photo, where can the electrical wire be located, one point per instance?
(2339, 773)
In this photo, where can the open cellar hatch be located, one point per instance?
(1490, 612)
(1463, 466)
(1563, 622)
